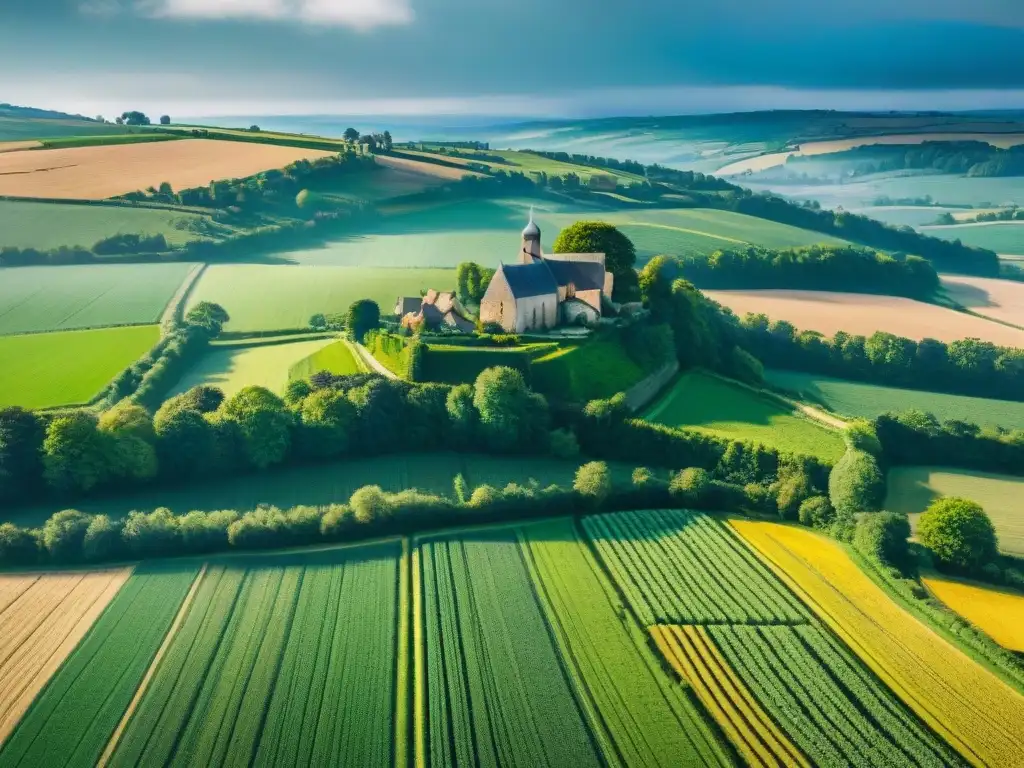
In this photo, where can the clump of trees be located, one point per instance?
(970, 158)
(471, 282)
(959, 534)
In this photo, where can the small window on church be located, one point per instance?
(570, 291)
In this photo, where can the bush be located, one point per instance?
(483, 496)
(883, 537)
(642, 476)
(594, 481)
(791, 492)
(336, 520)
(958, 533)
(17, 545)
(856, 484)
(760, 499)
(689, 485)
(151, 535)
(206, 531)
(370, 504)
(861, 435)
(102, 540)
(64, 533)
(564, 444)
(817, 512)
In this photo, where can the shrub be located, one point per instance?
(791, 492)
(860, 434)
(483, 496)
(369, 504)
(205, 531)
(151, 535)
(883, 536)
(642, 476)
(461, 489)
(817, 512)
(958, 533)
(843, 526)
(64, 533)
(102, 540)
(594, 481)
(336, 520)
(17, 545)
(760, 499)
(689, 485)
(564, 444)
(856, 483)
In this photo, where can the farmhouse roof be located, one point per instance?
(407, 304)
(454, 320)
(526, 280)
(584, 275)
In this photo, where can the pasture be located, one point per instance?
(265, 365)
(999, 613)
(706, 403)
(338, 357)
(1002, 237)
(51, 225)
(951, 693)
(31, 128)
(862, 314)
(34, 299)
(98, 172)
(857, 399)
(1001, 300)
(262, 297)
(912, 489)
(47, 370)
(580, 373)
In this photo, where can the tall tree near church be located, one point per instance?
(619, 253)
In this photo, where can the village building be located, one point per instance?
(433, 311)
(543, 291)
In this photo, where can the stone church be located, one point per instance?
(542, 291)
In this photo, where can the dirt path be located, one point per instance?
(176, 306)
(372, 363)
(151, 672)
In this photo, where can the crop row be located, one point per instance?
(278, 661)
(497, 692)
(680, 567)
(71, 721)
(642, 715)
(826, 704)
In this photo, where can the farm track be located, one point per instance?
(175, 309)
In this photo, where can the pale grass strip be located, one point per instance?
(402, 674)
(15, 708)
(151, 672)
(419, 668)
(32, 609)
(12, 587)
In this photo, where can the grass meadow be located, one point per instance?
(337, 357)
(51, 225)
(266, 365)
(912, 489)
(857, 399)
(25, 128)
(262, 297)
(706, 403)
(46, 370)
(1006, 238)
(85, 296)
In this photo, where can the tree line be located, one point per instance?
(817, 267)
(970, 158)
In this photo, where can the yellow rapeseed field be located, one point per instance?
(977, 713)
(999, 614)
(697, 660)
(42, 619)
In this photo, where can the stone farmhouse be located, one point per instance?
(435, 310)
(542, 291)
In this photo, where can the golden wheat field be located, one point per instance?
(976, 712)
(42, 619)
(859, 313)
(94, 173)
(999, 299)
(998, 613)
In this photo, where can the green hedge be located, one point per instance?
(458, 364)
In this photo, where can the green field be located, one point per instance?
(912, 489)
(709, 404)
(582, 372)
(487, 231)
(280, 660)
(330, 484)
(337, 357)
(458, 364)
(854, 398)
(266, 365)
(1006, 238)
(25, 128)
(56, 298)
(51, 225)
(73, 718)
(261, 297)
(46, 370)
(905, 215)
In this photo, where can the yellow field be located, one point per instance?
(94, 173)
(977, 713)
(999, 299)
(860, 313)
(697, 660)
(997, 613)
(42, 619)
(428, 169)
(16, 146)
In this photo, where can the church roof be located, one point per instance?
(526, 280)
(584, 275)
(531, 231)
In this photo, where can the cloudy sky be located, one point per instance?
(514, 58)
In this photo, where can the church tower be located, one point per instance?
(531, 242)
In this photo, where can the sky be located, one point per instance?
(509, 58)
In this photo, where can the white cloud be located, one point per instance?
(361, 15)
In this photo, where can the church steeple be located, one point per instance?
(531, 241)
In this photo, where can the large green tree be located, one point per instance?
(328, 420)
(76, 456)
(264, 424)
(208, 316)
(618, 250)
(21, 442)
(959, 533)
(363, 316)
(511, 417)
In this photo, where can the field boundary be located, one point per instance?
(174, 312)
(815, 414)
(646, 391)
(115, 738)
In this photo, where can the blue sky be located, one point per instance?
(509, 58)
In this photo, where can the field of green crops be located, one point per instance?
(45, 370)
(337, 357)
(36, 299)
(707, 403)
(51, 225)
(261, 297)
(280, 660)
(912, 489)
(854, 398)
(1005, 238)
(72, 720)
(265, 365)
